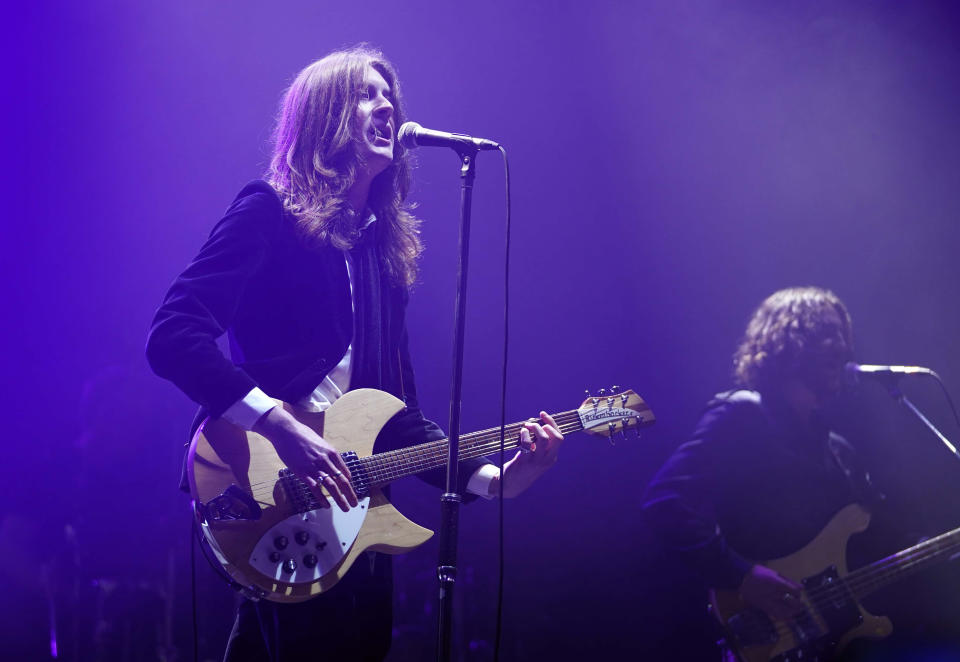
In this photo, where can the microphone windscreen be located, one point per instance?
(407, 135)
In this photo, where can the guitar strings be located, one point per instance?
(385, 467)
(476, 445)
(882, 572)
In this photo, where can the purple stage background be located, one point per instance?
(672, 162)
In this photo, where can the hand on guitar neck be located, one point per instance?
(311, 458)
(767, 589)
(539, 446)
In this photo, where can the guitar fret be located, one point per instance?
(906, 562)
(383, 468)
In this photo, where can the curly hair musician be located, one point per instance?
(760, 501)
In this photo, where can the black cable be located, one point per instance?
(193, 590)
(503, 407)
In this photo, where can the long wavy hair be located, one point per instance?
(796, 332)
(315, 161)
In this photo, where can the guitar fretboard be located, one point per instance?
(897, 566)
(384, 468)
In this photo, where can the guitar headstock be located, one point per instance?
(609, 412)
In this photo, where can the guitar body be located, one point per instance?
(268, 532)
(282, 552)
(832, 618)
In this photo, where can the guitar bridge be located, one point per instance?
(752, 627)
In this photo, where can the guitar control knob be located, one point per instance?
(289, 566)
(301, 537)
(310, 560)
(275, 557)
(280, 542)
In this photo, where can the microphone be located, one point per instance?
(884, 372)
(413, 135)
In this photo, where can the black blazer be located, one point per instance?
(286, 310)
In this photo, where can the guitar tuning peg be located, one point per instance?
(587, 392)
(602, 392)
(614, 389)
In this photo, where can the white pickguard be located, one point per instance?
(324, 533)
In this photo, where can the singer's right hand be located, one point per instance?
(312, 459)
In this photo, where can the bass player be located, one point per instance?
(764, 474)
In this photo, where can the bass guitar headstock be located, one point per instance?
(613, 411)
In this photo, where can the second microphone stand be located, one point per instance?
(893, 388)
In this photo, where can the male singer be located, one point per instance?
(308, 274)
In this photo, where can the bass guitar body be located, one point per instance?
(831, 616)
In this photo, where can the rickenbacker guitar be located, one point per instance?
(269, 533)
(832, 616)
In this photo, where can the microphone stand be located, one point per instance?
(450, 499)
(894, 389)
(892, 384)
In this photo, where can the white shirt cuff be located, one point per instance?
(247, 411)
(479, 482)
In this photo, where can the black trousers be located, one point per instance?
(350, 622)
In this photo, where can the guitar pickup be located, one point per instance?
(233, 504)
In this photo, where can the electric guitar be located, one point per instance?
(266, 529)
(832, 616)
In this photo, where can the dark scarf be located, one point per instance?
(368, 314)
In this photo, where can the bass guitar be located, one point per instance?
(832, 615)
(275, 540)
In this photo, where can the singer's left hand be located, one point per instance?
(540, 442)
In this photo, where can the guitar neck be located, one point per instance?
(903, 564)
(383, 468)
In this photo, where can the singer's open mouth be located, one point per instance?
(381, 134)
